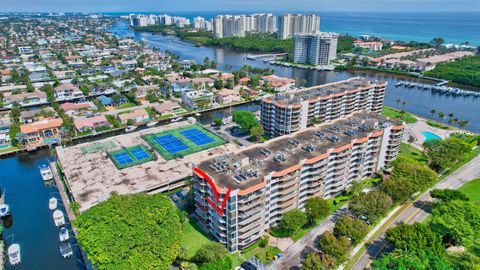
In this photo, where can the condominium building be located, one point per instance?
(262, 182)
(317, 49)
(288, 112)
(240, 25)
(294, 24)
(201, 24)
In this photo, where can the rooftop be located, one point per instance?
(92, 176)
(295, 97)
(248, 167)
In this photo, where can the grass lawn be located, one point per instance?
(472, 190)
(392, 113)
(8, 149)
(193, 238)
(409, 151)
(439, 125)
(126, 105)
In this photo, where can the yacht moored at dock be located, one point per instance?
(58, 218)
(66, 250)
(14, 256)
(52, 203)
(46, 172)
(4, 210)
(63, 234)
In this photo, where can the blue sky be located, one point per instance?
(236, 5)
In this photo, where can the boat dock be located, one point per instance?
(266, 57)
(438, 88)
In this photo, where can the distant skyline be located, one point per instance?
(235, 6)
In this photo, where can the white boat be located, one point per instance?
(63, 234)
(66, 250)
(52, 203)
(4, 210)
(176, 119)
(14, 256)
(152, 124)
(58, 218)
(46, 172)
(130, 128)
(198, 114)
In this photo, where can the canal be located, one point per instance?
(419, 102)
(32, 224)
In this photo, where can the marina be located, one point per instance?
(439, 88)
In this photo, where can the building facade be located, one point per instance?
(293, 111)
(295, 24)
(239, 25)
(261, 183)
(316, 49)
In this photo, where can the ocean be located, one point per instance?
(454, 27)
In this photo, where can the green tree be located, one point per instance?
(447, 195)
(318, 261)
(398, 189)
(211, 252)
(225, 263)
(371, 205)
(406, 260)
(257, 132)
(458, 219)
(420, 175)
(355, 229)
(443, 154)
(415, 238)
(218, 121)
(336, 247)
(245, 119)
(218, 84)
(316, 208)
(437, 42)
(292, 221)
(131, 232)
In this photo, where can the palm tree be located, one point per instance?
(441, 115)
(433, 112)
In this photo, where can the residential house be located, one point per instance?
(167, 107)
(198, 98)
(368, 45)
(228, 95)
(25, 99)
(279, 84)
(44, 132)
(67, 91)
(91, 123)
(37, 115)
(78, 108)
(5, 122)
(139, 116)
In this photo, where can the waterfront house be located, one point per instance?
(67, 91)
(228, 95)
(78, 108)
(91, 123)
(167, 107)
(279, 84)
(197, 99)
(44, 132)
(139, 116)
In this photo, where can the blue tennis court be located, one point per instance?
(123, 158)
(196, 136)
(139, 153)
(171, 143)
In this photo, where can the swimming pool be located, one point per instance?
(430, 136)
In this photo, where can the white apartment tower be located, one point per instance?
(239, 25)
(294, 24)
(316, 49)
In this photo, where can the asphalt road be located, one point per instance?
(418, 211)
